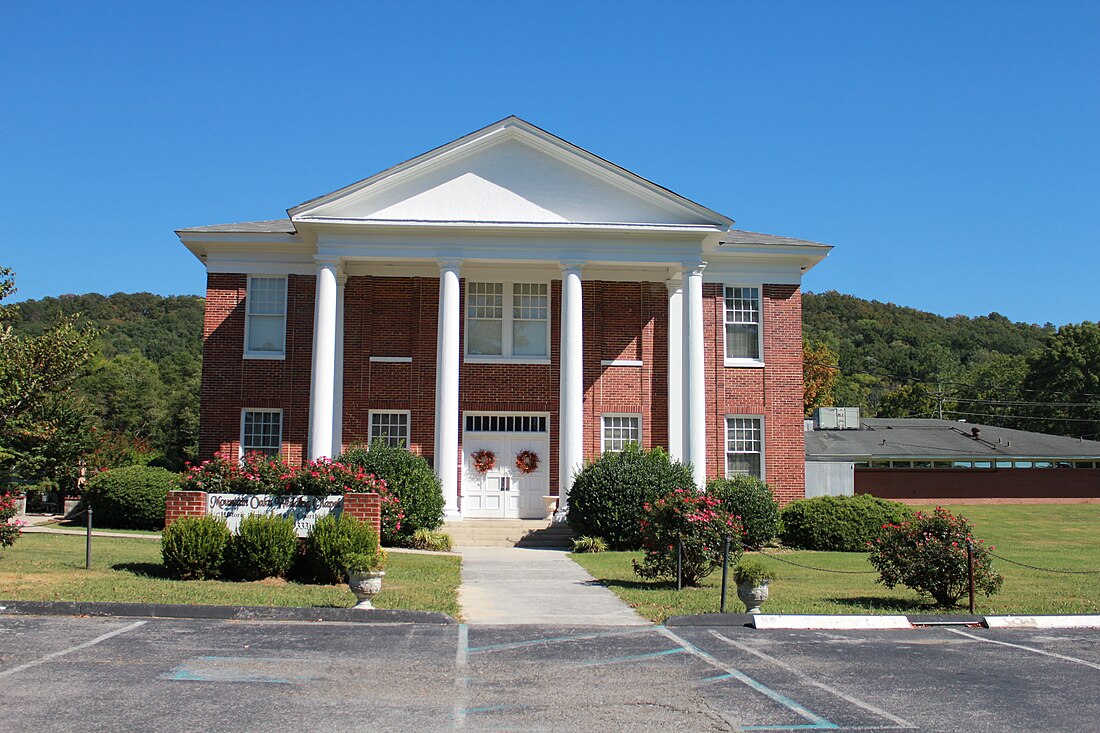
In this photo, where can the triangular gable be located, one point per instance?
(508, 172)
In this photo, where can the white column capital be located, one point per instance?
(693, 268)
(449, 264)
(571, 267)
(341, 278)
(674, 285)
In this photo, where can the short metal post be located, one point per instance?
(679, 563)
(88, 543)
(725, 571)
(970, 572)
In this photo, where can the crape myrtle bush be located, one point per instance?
(699, 522)
(928, 554)
(9, 530)
(264, 547)
(194, 548)
(410, 479)
(129, 498)
(752, 500)
(838, 523)
(262, 474)
(609, 495)
(330, 543)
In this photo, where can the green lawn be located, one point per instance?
(1063, 536)
(51, 567)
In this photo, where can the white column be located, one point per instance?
(446, 386)
(323, 383)
(695, 401)
(675, 369)
(338, 388)
(571, 405)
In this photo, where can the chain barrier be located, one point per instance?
(1044, 570)
(823, 570)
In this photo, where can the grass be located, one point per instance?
(50, 567)
(1061, 536)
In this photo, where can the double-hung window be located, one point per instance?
(742, 320)
(508, 320)
(619, 431)
(261, 431)
(392, 428)
(744, 446)
(265, 325)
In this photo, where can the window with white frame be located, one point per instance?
(261, 432)
(744, 446)
(390, 427)
(265, 326)
(743, 333)
(507, 319)
(619, 431)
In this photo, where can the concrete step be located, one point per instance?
(509, 533)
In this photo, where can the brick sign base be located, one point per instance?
(364, 507)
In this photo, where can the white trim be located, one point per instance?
(391, 359)
(506, 321)
(743, 361)
(603, 427)
(281, 354)
(726, 444)
(240, 436)
(621, 362)
(408, 424)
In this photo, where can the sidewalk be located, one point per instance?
(511, 585)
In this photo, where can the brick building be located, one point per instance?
(507, 292)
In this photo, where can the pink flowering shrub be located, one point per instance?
(9, 525)
(700, 522)
(262, 474)
(928, 554)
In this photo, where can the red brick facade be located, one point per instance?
(397, 317)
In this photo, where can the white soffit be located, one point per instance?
(509, 172)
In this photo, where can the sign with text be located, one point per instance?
(305, 510)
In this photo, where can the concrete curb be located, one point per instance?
(809, 622)
(233, 613)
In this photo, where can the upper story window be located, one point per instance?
(265, 324)
(619, 431)
(261, 431)
(744, 339)
(508, 320)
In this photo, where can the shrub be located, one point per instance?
(129, 498)
(838, 523)
(426, 539)
(331, 540)
(589, 544)
(193, 548)
(409, 478)
(9, 530)
(265, 546)
(753, 572)
(752, 500)
(699, 523)
(928, 554)
(609, 494)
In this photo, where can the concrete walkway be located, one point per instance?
(512, 585)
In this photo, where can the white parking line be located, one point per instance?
(811, 681)
(70, 650)
(1032, 649)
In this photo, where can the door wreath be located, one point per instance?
(484, 460)
(527, 461)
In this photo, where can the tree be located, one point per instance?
(1067, 370)
(819, 373)
(36, 377)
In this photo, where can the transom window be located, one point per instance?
(265, 325)
(505, 423)
(619, 431)
(261, 432)
(743, 323)
(392, 428)
(507, 319)
(744, 446)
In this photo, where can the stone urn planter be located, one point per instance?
(752, 578)
(752, 595)
(365, 584)
(551, 505)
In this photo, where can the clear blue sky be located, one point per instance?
(950, 151)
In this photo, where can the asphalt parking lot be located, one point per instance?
(125, 674)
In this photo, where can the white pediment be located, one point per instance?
(509, 173)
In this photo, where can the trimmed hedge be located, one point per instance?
(331, 540)
(608, 495)
(838, 523)
(410, 479)
(264, 547)
(193, 548)
(129, 498)
(752, 500)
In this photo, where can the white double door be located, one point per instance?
(504, 491)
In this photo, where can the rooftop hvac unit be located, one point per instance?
(836, 418)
